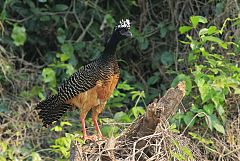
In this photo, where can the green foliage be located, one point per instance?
(58, 37)
(36, 156)
(213, 74)
(19, 35)
(122, 95)
(201, 139)
(184, 153)
(117, 101)
(61, 145)
(110, 131)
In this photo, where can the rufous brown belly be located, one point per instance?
(95, 97)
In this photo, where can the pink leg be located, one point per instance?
(94, 119)
(85, 136)
(83, 128)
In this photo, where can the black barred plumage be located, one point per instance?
(85, 78)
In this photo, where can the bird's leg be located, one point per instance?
(85, 136)
(94, 119)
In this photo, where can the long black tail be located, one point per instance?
(51, 110)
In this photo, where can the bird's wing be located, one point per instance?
(84, 79)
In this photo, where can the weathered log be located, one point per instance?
(156, 112)
(139, 141)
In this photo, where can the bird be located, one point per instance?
(90, 87)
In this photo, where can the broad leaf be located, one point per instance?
(216, 124)
(19, 35)
(188, 119)
(209, 108)
(196, 19)
(122, 117)
(184, 29)
(167, 58)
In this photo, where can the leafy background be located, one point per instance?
(43, 42)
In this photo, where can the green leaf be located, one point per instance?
(237, 91)
(196, 19)
(212, 38)
(45, 18)
(79, 45)
(205, 89)
(116, 104)
(187, 151)
(217, 125)
(203, 31)
(122, 117)
(65, 123)
(153, 79)
(70, 69)
(219, 8)
(4, 108)
(2, 158)
(200, 138)
(194, 108)
(36, 157)
(56, 128)
(212, 30)
(67, 49)
(110, 20)
(201, 113)
(33, 92)
(205, 92)
(163, 31)
(18, 35)
(221, 112)
(109, 131)
(3, 146)
(136, 94)
(192, 57)
(137, 111)
(144, 45)
(184, 29)
(61, 35)
(215, 39)
(183, 77)
(188, 119)
(218, 99)
(60, 7)
(177, 156)
(63, 57)
(209, 108)
(167, 58)
(124, 86)
(49, 76)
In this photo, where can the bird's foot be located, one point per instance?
(92, 137)
(101, 137)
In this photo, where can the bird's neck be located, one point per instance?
(110, 47)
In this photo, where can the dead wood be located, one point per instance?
(147, 138)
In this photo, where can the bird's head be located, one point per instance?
(122, 30)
